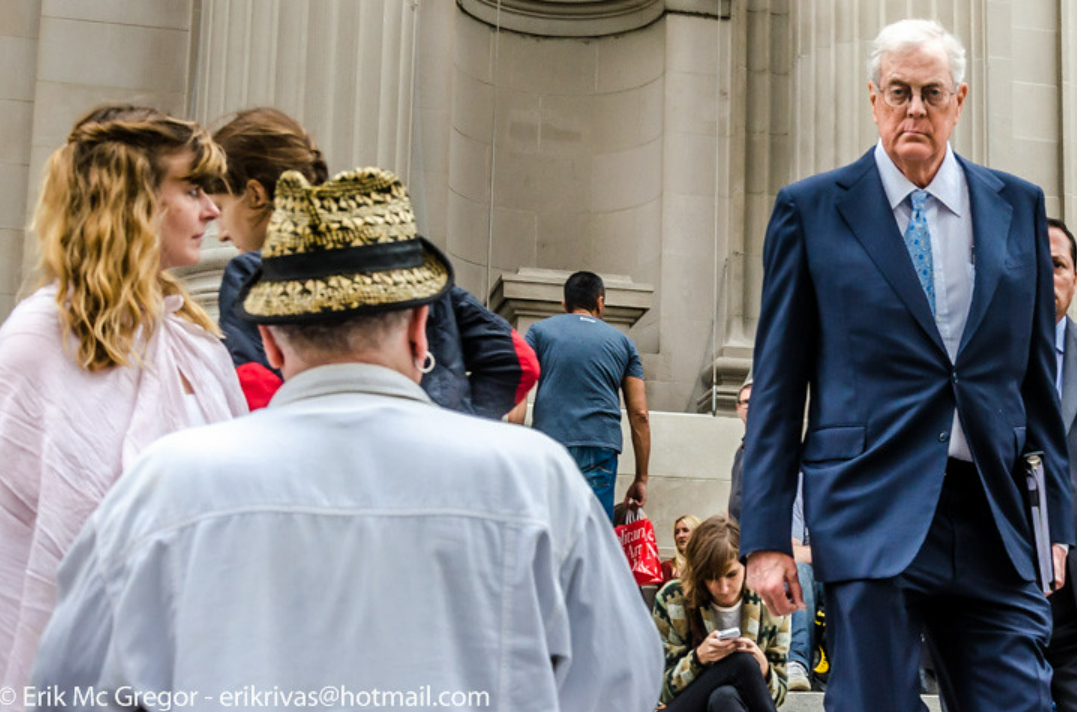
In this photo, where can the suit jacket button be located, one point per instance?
(943, 437)
(955, 376)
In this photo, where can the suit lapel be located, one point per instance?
(865, 209)
(991, 218)
(1069, 374)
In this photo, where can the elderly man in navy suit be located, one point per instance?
(1062, 653)
(911, 293)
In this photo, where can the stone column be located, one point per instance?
(753, 168)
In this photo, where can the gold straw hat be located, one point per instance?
(348, 246)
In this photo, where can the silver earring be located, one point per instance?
(429, 363)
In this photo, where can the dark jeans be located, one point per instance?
(598, 466)
(732, 684)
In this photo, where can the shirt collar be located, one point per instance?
(1060, 335)
(347, 378)
(947, 187)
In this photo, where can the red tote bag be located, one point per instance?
(639, 543)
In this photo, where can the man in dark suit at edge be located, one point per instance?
(1062, 654)
(911, 292)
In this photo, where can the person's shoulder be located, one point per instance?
(754, 603)
(671, 593)
(239, 269)
(997, 180)
(460, 433)
(31, 336)
(830, 180)
(245, 263)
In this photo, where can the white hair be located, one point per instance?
(910, 34)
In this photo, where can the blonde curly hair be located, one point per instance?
(96, 221)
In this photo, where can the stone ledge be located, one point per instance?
(812, 702)
(531, 294)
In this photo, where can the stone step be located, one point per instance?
(812, 702)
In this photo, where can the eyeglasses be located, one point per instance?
(898, 96)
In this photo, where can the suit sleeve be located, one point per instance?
(784, 354)
(1044, 428)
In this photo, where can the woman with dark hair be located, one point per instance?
(108, 354)
(260, 145)
(724, 651)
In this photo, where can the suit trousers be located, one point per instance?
(987, 628)
(1062, 653)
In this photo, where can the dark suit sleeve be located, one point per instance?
(785, 348)
(1044, 428)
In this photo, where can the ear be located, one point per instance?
(564, 303)
(274, 354)
(255, 195)
(962, 92)
(600, 305)
(416, 333)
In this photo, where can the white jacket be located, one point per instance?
(353, 538)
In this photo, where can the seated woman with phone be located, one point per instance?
(724, 651)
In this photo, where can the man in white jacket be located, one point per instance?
(352, 545)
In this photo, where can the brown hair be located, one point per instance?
(713, 547)
(261, 144)
(96, 219)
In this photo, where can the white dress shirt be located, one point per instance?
(354, 537)
(1060, 352)
(949, 222)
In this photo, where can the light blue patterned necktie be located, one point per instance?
(918, 241)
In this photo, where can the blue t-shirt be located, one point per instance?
(583, 363)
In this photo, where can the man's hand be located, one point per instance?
(636, 495)
(773, 575)
(1058, 566)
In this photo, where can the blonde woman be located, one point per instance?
(723, 650)
(109, 354)
(681, 534)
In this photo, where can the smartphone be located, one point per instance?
(727, 633)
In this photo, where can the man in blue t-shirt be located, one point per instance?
(584, 364)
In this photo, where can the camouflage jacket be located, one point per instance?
(770, 632)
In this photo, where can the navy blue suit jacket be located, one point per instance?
(843, 316)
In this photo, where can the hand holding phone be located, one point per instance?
(727, 633)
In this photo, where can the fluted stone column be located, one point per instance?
(757, 87)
